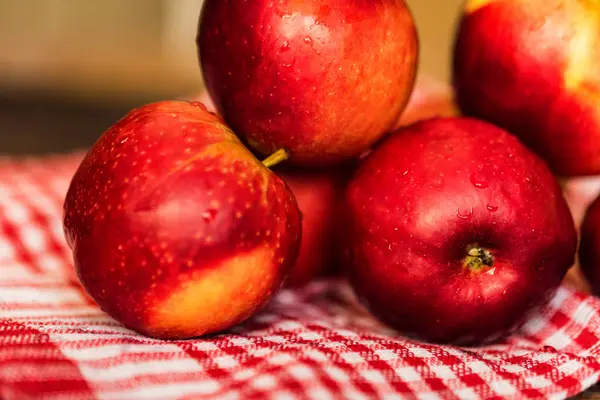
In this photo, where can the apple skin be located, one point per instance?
(589, 250)
(430, 98)
(319, 193)
(322, 79)
(532, 67)
(419, 202)
(177, 230)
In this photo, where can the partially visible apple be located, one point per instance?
(177, 230)
(589, 251)
(455, 230)
(205, 99)
(580, 193)
(431, 98)
(319, 193)
(322, 79)
(533, 68)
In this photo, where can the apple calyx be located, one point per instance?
(279, 156)
(478, 258)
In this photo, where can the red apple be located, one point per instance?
(322, 79)
(589, 251)
(319, 193)
(532, 67)
(455, 231)
(177, 230)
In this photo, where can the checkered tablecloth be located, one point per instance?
(314, 343)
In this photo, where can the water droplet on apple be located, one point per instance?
(285, 46)
(479, 181)
(308, 40)
(491, 208)
(209, 215)
(465, 214)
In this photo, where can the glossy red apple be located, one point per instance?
(455, 230)
(589, 251)
(177, 230)
(319, 193)
(533, 67)
(322, 79)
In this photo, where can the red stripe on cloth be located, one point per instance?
(41, 218)
(31, 375)
(559, 318)
(10, 232)
(588, 339)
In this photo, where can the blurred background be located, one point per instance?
(69, 68)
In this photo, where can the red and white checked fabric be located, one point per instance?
(312, 343)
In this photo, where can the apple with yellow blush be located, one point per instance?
(177, 230)
(533, 68)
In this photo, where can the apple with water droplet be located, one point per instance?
(454, 231)
(319, 192)
(322, 79)
(532, 67)
(177, 230)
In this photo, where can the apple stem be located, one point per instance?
(478, 258)
(279, 156)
